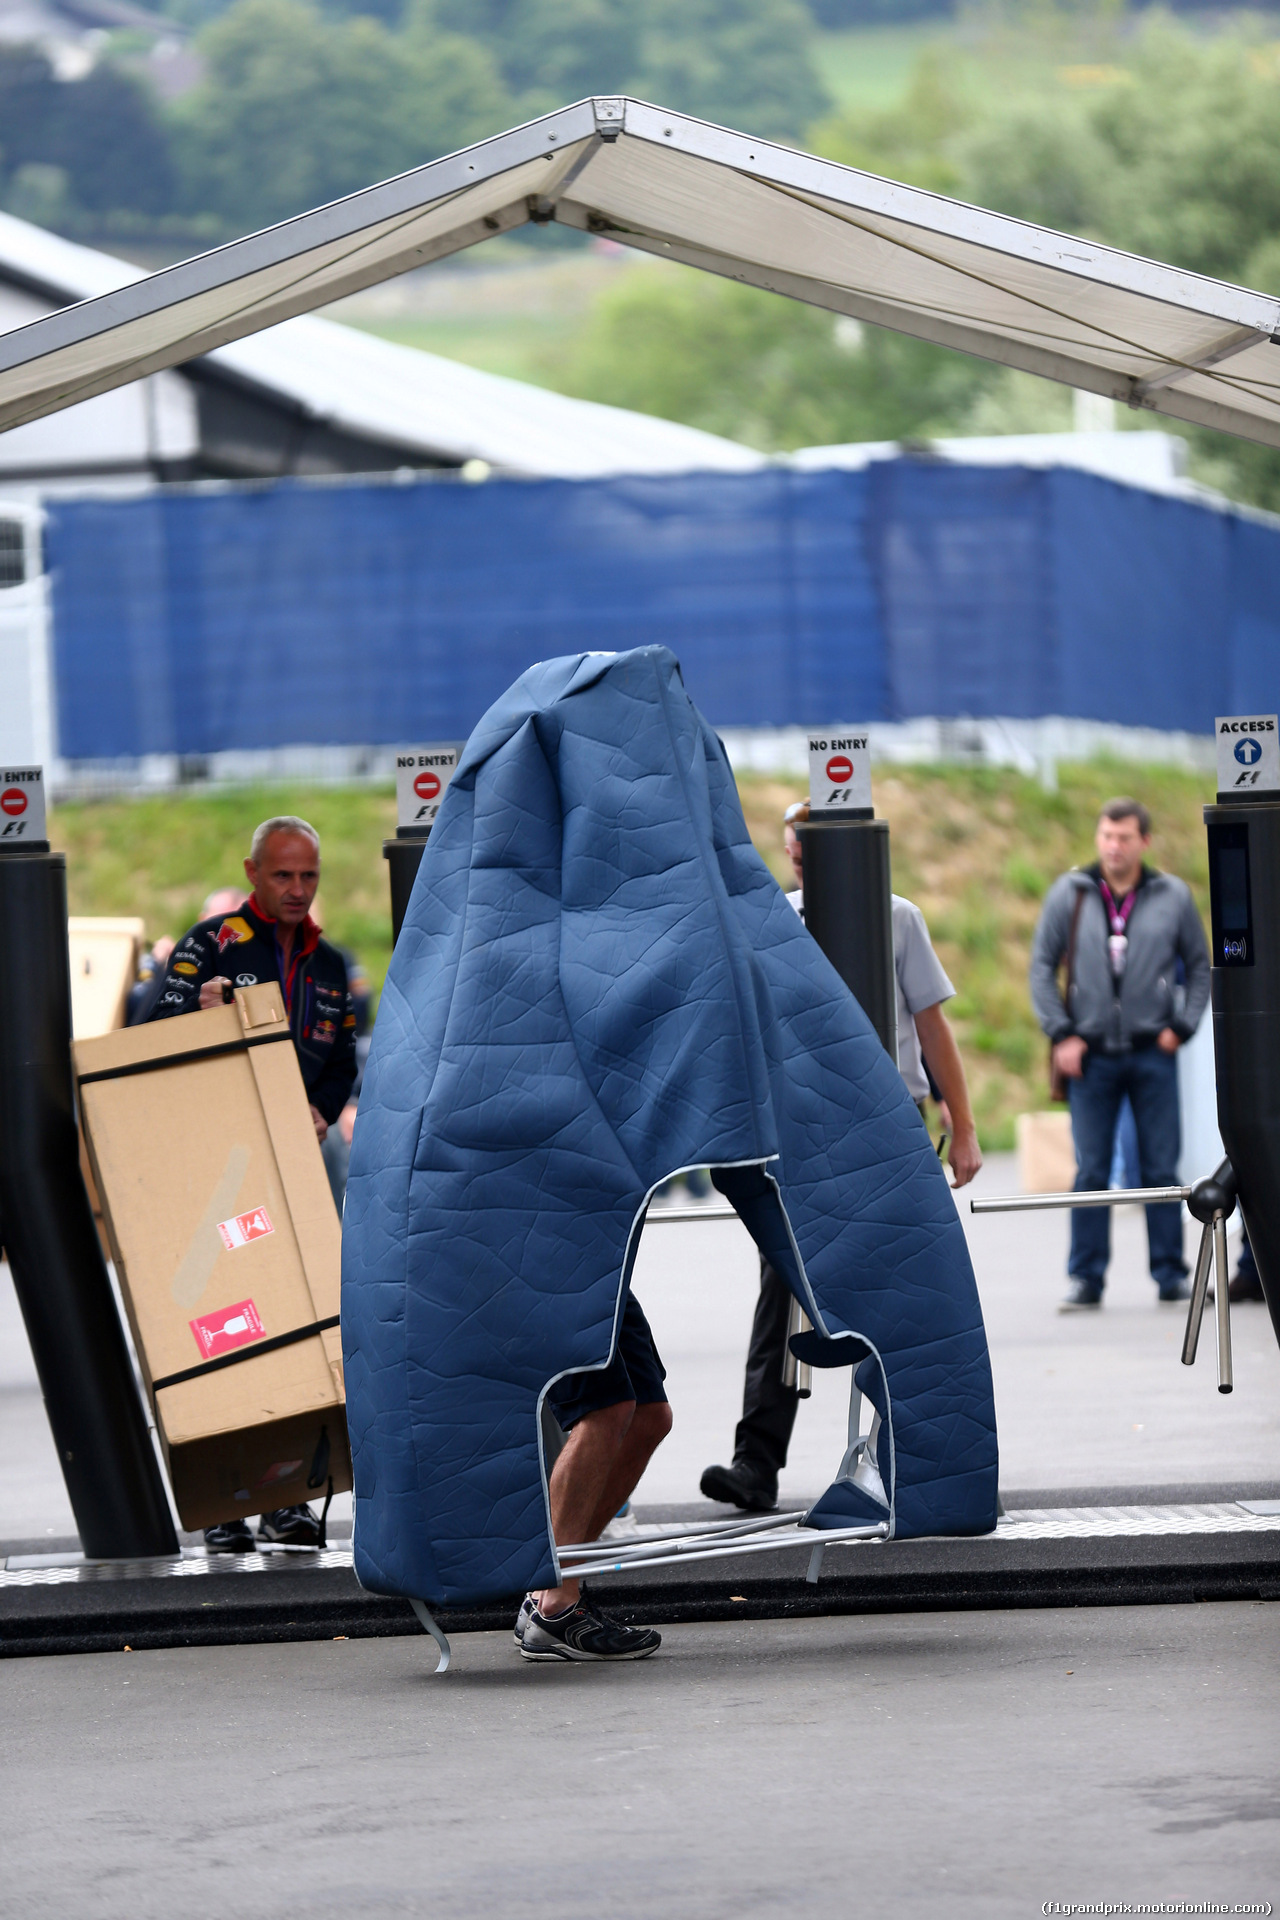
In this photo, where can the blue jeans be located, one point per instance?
(1150, 1078)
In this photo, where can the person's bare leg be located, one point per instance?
(649, 1428)
(579, 1481)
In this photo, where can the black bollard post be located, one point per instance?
(1244, 890)
(847, 909)
(422, 774)
(99, 1426)
(403, 856)
(847, 894)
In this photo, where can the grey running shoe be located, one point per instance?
(291, 1527)
(580, 1633)
(522, 1618)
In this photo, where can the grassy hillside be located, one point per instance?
(975, 848)
(160, 857)
(870, 68)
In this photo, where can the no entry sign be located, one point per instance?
(840, 771)
(21, 806)
(422, 774)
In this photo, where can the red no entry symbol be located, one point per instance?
(426, 786)
(14, 801)
(839, 770)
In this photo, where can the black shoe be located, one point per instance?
(1244, 1286)
(1080, 1295)
(523, 1618)
(290, 1527)
(1177, 1290)
(229, 1536)
(738, 1486)
(580, 1633)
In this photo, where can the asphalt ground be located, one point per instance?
(976, 1764)
(983, 1762)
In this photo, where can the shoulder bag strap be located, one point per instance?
(1073, 931)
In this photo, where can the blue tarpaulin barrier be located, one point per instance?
(963, 564)
(195, 621)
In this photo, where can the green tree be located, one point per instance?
(1192, 142)
(912, 141)
(743, 63)
(101, 134)
(1042, 162)
(553, 51)
(113, 145)
(297, 109)
(1170, 153)
(764, 369)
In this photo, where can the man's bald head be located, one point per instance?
(284, 868)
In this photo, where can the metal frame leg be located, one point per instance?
(1222, 1302)
(429, 1624)
(797, 1373)
(1213, 1252)
(1199, 1291)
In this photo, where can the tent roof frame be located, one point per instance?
(1153, 336)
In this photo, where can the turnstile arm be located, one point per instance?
(1211, 1201)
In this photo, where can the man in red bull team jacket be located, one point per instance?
(273, 937)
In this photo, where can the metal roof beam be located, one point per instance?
(1236, 342)
(408, 197)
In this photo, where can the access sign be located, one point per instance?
(840, 771)
(21, 806)
(421, 778)
(1248, 755)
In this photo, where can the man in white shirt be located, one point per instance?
(925, 1041)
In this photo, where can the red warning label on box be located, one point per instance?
(227, 1329)
(254, 1225)
(282, 1470)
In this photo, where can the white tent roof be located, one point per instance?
(1070, 310)
(374, 388)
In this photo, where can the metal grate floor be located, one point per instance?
(27, 1570)
(1094, 1523)
(1028, 1523)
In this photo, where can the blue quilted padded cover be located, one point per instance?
(598, 982)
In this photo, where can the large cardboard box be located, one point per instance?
(103, 955)
(104, 965)
(1046, 1152)
(227, 1244)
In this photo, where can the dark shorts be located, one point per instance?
(635, 1373)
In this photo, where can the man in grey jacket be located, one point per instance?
(1138, 983)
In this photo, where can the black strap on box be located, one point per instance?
(182, 1059)
(277, 1341)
